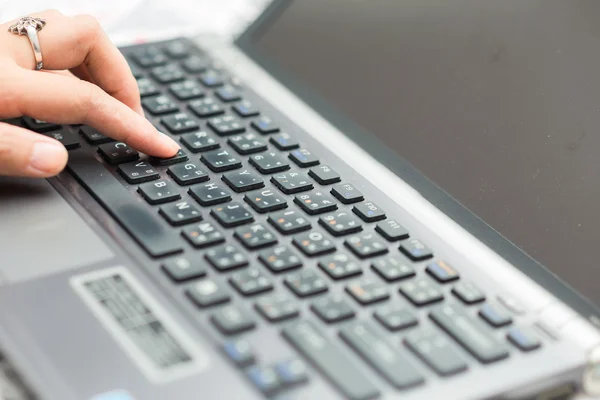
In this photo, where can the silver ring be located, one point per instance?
(30, 26)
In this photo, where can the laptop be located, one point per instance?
(382, 199)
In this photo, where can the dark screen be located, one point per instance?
(497, 102)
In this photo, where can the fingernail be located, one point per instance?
(46, 156)
(172, 143)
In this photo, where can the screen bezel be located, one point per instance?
(405, 171)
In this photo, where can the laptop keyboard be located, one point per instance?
(250, 224)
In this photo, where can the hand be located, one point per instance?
(84, 80)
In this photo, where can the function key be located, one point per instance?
(93, 137)
(247, 144)
(366, 245)
(177, 49)
(180, 156)
(117, 153)
(186, 90)
(280, 258)
(149, 57)
(227, 93)
(347, 193)
(269, 163)
(283, 141)
(251, 281)
(199, 141)
(392, 268)
(206, 107)
(211, 78)
(67, 138)
(468, 292)
(494, 316)
(292, 182)
(206, 293)
(278, 307)
(369, 211)
(313, 243)
(38, 125)
(240, 352)
(265, 379)
(324, 175)
(415, 250)
(421, 291)
(159, 105)
(232, 214)
(209, 194)
(368, 291)
(167, 73)
(203, 235)
(181, 269)
(180, 123)
(181, 213)
(392, 230)
(436, 351)
(226, 257)
(220, 160)
(146, 87)
(303, 158)
(315, 202)
(137, 172)
(195, 64)
(340, 223)
(289, 221)
(245, 109)
(442, 271)
(159, 192)
(231, 320)
(265, 125)
(187, 174)
(291, 372)
(255, 236)
(242, 181)
(305, 282)
(226, 125)
(524, 339)
(332, 308)
(339, 266)
(265, 201)
(395, 317)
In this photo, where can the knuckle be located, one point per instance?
(7, 148)
(88, 27)
(88, 100)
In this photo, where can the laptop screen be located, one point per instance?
(496, 102)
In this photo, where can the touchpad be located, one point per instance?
(40, 233)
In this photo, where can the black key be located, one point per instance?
(211, 78)
(291, 372)
(167, 73)
(231, 320)
(146, 87)
(226, 257)
(305, 283)
(330, 360)
(227, 93)
(265, 379)
(340, 266)
(242, 180)
(206, 107)
(199, 141)
(368, 291)
(332, 308)
(255, 236)
(280, 258)
(265, 201)
(265, 125)
(369, 211)
(149, 57)
(180, 123)
(251, 281)
(177, 49)
(347, 193)
(292, 182)
(68, 139)
(226, 125)
(315, 202)
(117, 153)
(188, 173)
(421, 291)
(395, 317)
(38, 125)
(203, 235)
(468, 292)
(159, 105)
(269, 163)
(392, 230)
(494, 316)
(392, 268)
(313, 243)
(206, 293)
(470, 333)
(138, 172)
(136, 71)
(209, 194)
(303, 158)
(220, 160)
(366, 245)
(277, 307)
(381, 355)
(245, 109)
(181, 269)
(142, 224)
(340, 223)
(436, 351)
(324, 175)
(442, 271)
(415, 250)
(186, 90)
(283, 141)
(289, 221)
(159, 192)
(180, 156)
(247, 144)
(93, 137)
(181, 213)
(524, 339)
(232, 214)
(240, 352)
(195, 64)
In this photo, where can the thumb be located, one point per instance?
(25, 153)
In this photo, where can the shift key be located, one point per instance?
(469, 333)
(330, 360)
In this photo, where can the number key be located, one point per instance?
(341, 223)
(226, 125)
(269, 163)
(206, 107)
(247, 144)
(315, 202)
(292, 182)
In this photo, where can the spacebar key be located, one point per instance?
(140, 223)
(332, 362)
